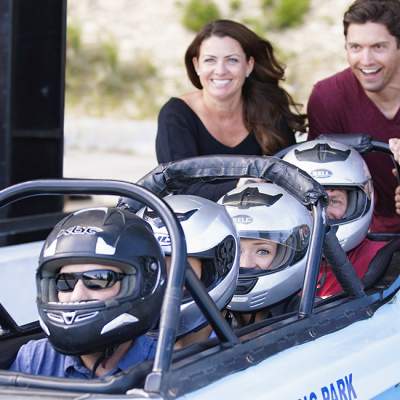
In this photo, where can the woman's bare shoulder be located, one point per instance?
(193, 100)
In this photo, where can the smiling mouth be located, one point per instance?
(220, 82)
(370, 71)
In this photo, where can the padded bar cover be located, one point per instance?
(171, 176)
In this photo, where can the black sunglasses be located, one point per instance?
(96, 279)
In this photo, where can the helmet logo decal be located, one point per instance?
(103, 248)
(321, 173)
(163, 239)
(121, 320)
(79, 230)
(242, 219)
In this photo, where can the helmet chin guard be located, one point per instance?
(109, 237)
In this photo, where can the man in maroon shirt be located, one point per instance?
(365, 98)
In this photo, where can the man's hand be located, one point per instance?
(394, 145)
(397, 199)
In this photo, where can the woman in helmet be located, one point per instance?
(274, 230)
(347, 180)
(89, 258)
(212, 248)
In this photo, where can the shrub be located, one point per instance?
(289, 13)
(267, 3)
(235, 5)
(197, 13)
(98, 82)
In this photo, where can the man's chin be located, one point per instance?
(371, 87)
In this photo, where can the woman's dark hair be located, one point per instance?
(385, 12)
(267, 106)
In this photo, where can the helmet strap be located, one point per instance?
(107, 353)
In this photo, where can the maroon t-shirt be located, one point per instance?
(360, 257)
(339, 104)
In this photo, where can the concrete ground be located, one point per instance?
(108, 149)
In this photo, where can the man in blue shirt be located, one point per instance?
(38, 357)
(100, 283)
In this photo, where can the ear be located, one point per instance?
(195, 62)
(250, 66)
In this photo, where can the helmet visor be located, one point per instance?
(265, 252)
(348, 203)
(296, 238)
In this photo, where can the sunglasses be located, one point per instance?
(96, 279)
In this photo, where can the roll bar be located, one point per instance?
(171, 176)
(172, 300)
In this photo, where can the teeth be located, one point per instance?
(369, 70)
(220, 82)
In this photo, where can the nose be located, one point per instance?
(220, 67)
(366, 57)
(80, 292)
(332, 213)
(246, 260)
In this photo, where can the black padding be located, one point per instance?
(380, 263)
(9, 348)
(170, 177)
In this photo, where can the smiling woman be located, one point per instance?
(239, 106)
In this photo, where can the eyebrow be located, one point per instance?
(229, 55)
(262, 242)
(373, 44)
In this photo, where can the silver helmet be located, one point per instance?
(267, 213)
(338, 166)
(211, 237)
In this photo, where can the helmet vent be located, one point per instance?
(250, 197)
(322, 153)
(245, 285)
(258, 300)
(68, 318)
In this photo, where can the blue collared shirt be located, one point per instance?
(38, 357)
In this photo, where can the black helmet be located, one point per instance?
(107, 236)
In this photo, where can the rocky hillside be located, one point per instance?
(153, 31)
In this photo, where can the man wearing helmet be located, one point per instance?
(274, 230)
(347, 180)
(212, 248)
(100, 283)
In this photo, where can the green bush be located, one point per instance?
(98, 82)
(289, 13)
(267, 3)
(235, 5)
(197, 13)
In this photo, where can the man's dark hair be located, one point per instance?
(385, 12)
